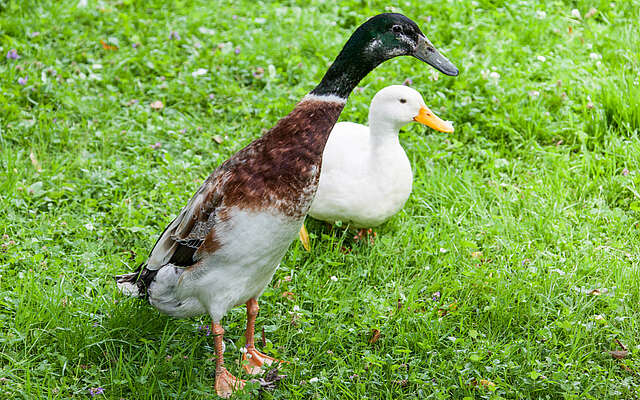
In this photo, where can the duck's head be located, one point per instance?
(381, 38)
(397, 105)
(391, 35)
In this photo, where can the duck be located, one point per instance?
(366, 177)
(224, 246)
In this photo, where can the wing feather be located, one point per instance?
(187, 232)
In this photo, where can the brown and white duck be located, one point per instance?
(223, 248)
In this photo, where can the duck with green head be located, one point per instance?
(224, 246)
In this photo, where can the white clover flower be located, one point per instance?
(199, 72)
(334, 278)
(575, 13)
(541, 14)
(542, 58)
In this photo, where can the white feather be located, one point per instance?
(252, 245)
(366, 176)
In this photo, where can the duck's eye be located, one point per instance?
(396, 29)
(403, 101)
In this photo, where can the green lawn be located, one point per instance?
(510, 273)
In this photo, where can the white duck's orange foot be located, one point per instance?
(255, 360)
(364, 232)
(226, 383)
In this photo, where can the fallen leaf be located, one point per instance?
(34, 162)
(401, 382)
(375, 335)
(108, 46)
(157, 105)
(486, 383)
(483, 383)
(594, 292)
(263, 338)
(619, 354)
(476, 254)
(218, 139)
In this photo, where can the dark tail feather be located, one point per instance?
(136, 283)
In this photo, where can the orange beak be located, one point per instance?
(428, 118)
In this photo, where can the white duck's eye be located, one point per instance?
(396, 28)
(403, 101)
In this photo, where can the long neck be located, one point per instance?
(351, 65)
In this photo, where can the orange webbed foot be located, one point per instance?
(255, 360)
(226, 383)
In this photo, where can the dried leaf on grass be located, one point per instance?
(270, 380)
(157, 105)
(483, 383)
(218, 139)
(375, 335)
(108, 47)
(619, 354)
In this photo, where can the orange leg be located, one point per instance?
(255, 359)
(225, 382)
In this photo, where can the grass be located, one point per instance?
(481, 288)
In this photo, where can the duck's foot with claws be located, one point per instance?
(253, 361)
(226, 383)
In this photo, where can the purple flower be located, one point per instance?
(183, 130)
(206, 329)
(174, 35)
(96, 324)
(435, 296)
(23, 81)
(156, 146)
(234, 17)
(135, 45)
(212, 96)
(408, 82)
(12, 55)
(96, 391)
(55, 120)
(237, 50)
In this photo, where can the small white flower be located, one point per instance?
(534, 93)
(334, 278)
(296, 308)
(542, 58)
(443, 250)
(434, 76)
(494, 75)
(313, 380)
(595, 56)
(199, 72)
(206, 31)
(541, 14)
(452, 338)
(89, 226)
(575, 13)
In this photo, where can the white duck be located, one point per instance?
(366, 176)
